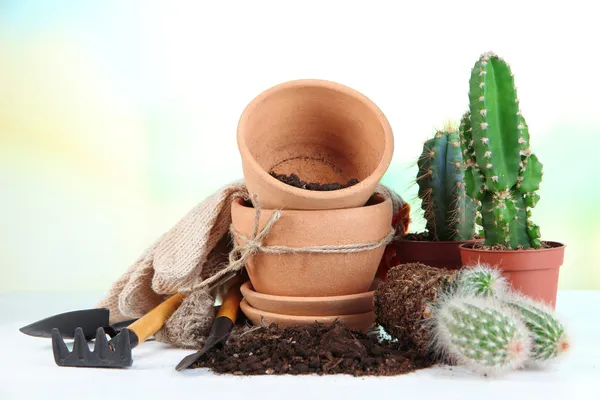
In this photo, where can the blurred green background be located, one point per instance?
(116, 118)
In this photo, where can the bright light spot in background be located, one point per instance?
(116, 119)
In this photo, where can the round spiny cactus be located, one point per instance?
(549, 337)
(480, 333)
(481, 280)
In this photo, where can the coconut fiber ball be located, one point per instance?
(402, 302)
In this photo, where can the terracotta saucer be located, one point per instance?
(259, 318)
(317, 306)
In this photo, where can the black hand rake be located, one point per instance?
(113, 354)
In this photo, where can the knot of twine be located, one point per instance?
(252, 245)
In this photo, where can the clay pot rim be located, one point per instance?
(247, 286)
(314, 194)
(554, 246)
(300, 318)
(380, 201)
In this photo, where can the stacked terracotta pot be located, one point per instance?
(322, 132)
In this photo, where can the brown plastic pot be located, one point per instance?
(316, 274)
(322, 131)
(532, 272)
(443, 254)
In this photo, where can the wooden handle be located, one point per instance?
(151, 323)
(231, 302)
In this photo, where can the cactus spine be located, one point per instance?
(501, 170)
(548, 334)
(481, 334)
(449, 212)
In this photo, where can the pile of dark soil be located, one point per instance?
(294, 180)
(314, 349)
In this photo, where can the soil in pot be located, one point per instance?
(294, 180)
(312, 349)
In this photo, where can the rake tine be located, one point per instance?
(123, 348)
(101, 346)
(80, 347)
(59, 348)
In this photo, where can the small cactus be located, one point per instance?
(469, 317)
(501, 171)
(480, 333)
(449, 212)
(547, 333)
(481, 280)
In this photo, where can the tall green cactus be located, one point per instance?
(501, 170)
(449, 212)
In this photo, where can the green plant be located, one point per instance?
(480, 333)
(481, 280)
(548, 334)
(449, 212)
(501, 171)
(469, 317)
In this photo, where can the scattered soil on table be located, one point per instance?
(313, 349)
(294, 180)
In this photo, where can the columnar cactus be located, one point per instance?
(449, 212)
(501, 170)
(549, 337)
(481, 334)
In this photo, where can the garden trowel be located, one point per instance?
(221, 328)
(88, 320)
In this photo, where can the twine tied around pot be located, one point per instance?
(250, 246)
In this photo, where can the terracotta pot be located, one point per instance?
(263, 318)
(444, 254)
(319, 306)
(532, 272)
(315, 274)
(323, 132)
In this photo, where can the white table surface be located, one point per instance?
(27, 368)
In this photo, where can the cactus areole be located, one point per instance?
(502, 172)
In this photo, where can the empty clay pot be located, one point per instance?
(322, 131)
(316, 274)
(263, 318)
(533, 272)
(443, 254)
(319, 306)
